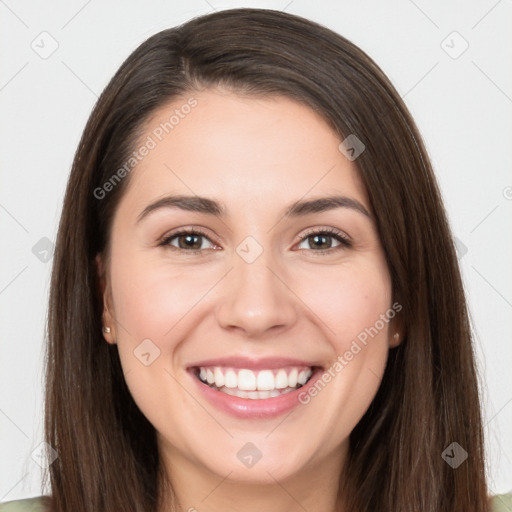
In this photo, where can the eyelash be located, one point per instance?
(331, 233)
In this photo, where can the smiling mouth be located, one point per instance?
(255, 385)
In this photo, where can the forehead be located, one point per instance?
(246, 150)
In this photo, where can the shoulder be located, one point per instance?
(37, 504)
(499, 503)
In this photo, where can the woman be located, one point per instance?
(206, 351)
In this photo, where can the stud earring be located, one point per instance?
(106, 330)
(396, 336)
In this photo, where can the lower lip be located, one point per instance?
(247, 408)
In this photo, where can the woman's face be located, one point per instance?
(253, 300)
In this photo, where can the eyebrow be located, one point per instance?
(209, 206)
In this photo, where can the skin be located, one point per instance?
(257, 156)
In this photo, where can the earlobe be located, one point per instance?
(104, 297)
(108, 321)
(107, 334)
(396, 331)
(395, 339)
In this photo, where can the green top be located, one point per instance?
(26, 505)
(500, 503)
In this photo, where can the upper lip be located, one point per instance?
(253, 363)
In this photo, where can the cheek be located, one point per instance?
(350, 299)
(351, 302)
(151, 305)
(150, 296)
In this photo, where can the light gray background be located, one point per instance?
(462, 105)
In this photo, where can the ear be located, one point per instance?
(397, 330)
(105, 294)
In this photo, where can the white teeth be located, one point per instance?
(265, 380)
(230, 380)
(245, 380)
(219, 377)
(303, 377)
(281, 380)
(255, 395)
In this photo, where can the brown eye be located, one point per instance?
(322, 240)
(318, 241)
(189, 241)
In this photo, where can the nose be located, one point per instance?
(257, 298)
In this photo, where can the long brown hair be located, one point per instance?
(429, 396)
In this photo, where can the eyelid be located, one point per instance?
(164, 241)
(329, 231)
(343, 238)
